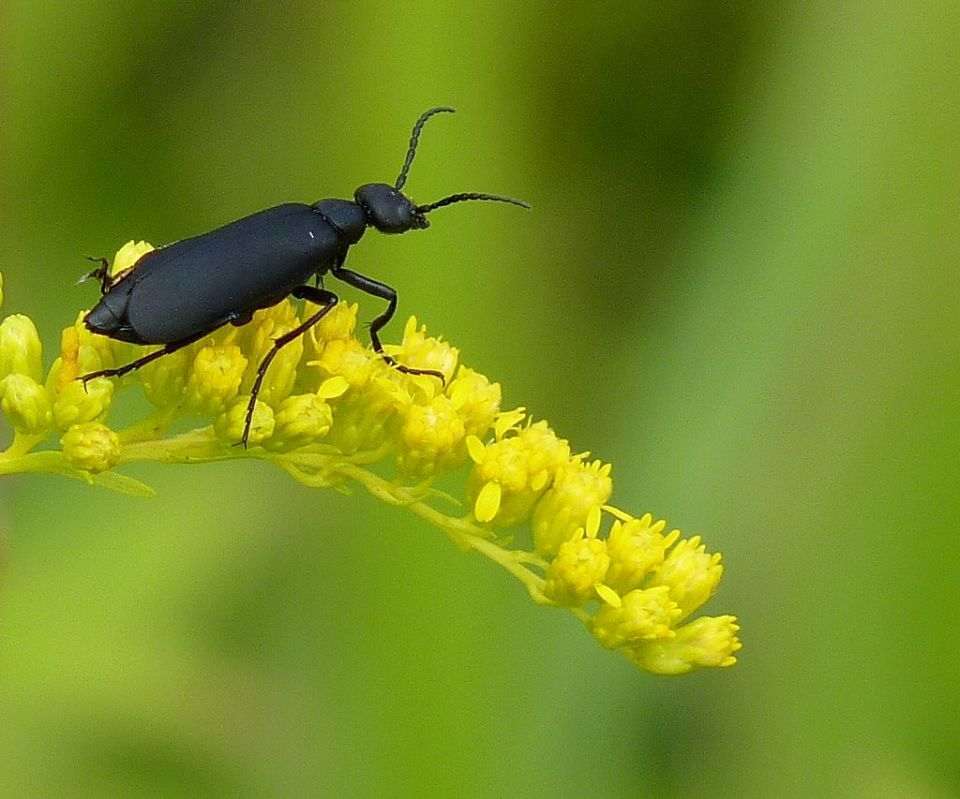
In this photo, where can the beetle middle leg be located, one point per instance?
(318, 296)
(384, 292)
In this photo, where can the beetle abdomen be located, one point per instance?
(201, 283)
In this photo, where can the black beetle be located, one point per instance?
(177, 294)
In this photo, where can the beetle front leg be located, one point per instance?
(384, 292)
(322, 297)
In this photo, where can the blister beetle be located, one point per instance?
(179, 293)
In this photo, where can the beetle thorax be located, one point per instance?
(347, 217)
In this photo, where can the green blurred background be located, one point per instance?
(739, 284)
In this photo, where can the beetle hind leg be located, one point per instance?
(318, 296)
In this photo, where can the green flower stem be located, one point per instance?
(50, 462)
(325, 467)
(463, 532)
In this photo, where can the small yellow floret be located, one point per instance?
(643, 615)
(579, 490)
(573, 576)
(706, 642)
(691, 573)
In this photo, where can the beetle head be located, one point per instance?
(388, 209)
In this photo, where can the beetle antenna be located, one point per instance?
(415, 139)
(463, 197)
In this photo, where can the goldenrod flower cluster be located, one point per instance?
(330, 409)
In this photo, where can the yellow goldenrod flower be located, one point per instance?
(165, 379)
(420, 351)
(338, 324)
(256, 340)
(476, 399)
(128, 255)
(329, 409)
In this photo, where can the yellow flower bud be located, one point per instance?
(229, 425)
(431, 439)
(128, 255)
(299, 420)
(26, 404)
(20, 349)
(77, 404)
(91, 446)
(214, 378)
